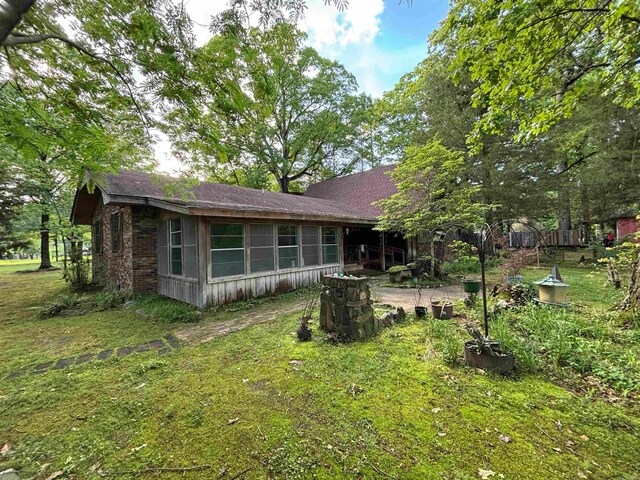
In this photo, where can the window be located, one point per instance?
(116, 232)
(227, 250)
(175, 245)
(310, 246)
(97, 237)
(330, 245)
(261, 248)
(287, 246)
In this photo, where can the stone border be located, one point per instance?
(163, 346)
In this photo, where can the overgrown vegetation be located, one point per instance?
(259, 399)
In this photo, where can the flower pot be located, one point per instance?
(500, 364)
(304, 334)
(421, 312)
(470, 286)
(441, 310)
(514, 279)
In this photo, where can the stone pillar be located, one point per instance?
(346, 308)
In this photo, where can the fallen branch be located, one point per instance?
(238, 475)
(156, 470)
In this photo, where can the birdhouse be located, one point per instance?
(552, 291)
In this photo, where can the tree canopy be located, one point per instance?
(268, 102)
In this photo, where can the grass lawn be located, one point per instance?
(392, 407)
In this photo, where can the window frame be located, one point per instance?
(116, 237)
(210, 274)
(273, 247)
(171, 246)
(297, 245)
(322, 245)
(318, 246)
(98, 237)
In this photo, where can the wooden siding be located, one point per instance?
(179, 288)
(269, 283)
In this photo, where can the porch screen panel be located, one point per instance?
(227, 249)
(310, 246)
(287, 246)
(262, 246)
(190, 250)
(163, 248)
(330, 245)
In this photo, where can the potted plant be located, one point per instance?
(397, 272)
(487, 354)
(471, 286)
(304, 332)
(421, 310)
(414, 267)
(442, 309)
(513, 264)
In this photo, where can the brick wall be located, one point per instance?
(145, 222)
(134, 267)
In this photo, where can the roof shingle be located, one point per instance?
(358, 190)
(217, 196)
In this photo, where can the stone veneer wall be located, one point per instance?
(346, 308)
(135, 266)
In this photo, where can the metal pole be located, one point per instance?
(484, 296)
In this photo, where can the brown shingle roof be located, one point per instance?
(358, 190)
(140, 187)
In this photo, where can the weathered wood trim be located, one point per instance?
(279, 216)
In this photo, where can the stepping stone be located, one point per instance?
(64, 363)
(171, 340)
(124, 351)
(156, 344)
(87, 357)
(16, 374)
(41, 368)
(103, 355)
(164, 351)
(143, 347)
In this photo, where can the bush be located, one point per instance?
(467, 264)
(398, 269)
(165, 309)
(108, 299)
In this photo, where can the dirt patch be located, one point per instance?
(205, 332)
(38, 270)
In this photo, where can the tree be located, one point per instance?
(432, 192)
(269, 102)
(535, 61)
(426, 105)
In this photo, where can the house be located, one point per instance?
(626, 227)
(211, 243)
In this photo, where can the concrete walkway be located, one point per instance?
(406, 297)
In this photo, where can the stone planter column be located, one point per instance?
(346, 308)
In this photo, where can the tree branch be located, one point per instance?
(17, 39)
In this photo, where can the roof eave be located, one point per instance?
(261, 215)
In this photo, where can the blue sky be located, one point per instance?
(377, 40)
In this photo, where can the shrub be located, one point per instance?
(166, 309)
(63, 303)
(398, 269)
(516, 260)
(108, 299)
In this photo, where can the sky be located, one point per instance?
(376, 40)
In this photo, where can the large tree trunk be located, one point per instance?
(284, 184)
(11, 12)
(45, 260)
(564, 200)
(632, 300)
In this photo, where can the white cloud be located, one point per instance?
(330, 29)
